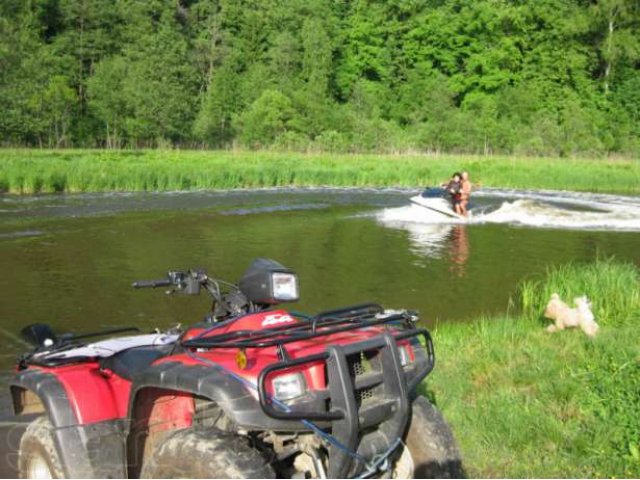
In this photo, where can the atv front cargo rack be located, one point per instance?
(323, 324)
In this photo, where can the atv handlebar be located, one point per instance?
(228, 299)
(165, 282)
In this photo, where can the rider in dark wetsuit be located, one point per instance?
(454, 190)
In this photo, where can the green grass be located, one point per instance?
(43, 171)
(527, 403)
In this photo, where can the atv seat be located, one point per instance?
(128, 363)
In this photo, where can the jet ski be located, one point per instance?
(434, 199)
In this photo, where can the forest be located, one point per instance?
(521, 77)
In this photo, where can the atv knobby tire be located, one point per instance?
(431, 445)
(205, 453)
(38, 457)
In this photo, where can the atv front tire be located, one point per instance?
(430, 449)
(38, 457)
(205, 453)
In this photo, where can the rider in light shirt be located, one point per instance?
(465, 193)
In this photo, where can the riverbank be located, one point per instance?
(24, 171)
(527, 403)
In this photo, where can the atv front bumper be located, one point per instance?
(365, 409)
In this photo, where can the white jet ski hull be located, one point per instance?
(439, 205)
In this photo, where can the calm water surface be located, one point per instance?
(69, 260)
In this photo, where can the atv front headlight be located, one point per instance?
(285, 286)
(267, 282)
(290, 386)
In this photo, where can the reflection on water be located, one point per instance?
(439, 241)
(459, 249)
(427, 240)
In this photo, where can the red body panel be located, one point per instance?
(94, 396)
(259, 358)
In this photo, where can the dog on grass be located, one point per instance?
(565, 317)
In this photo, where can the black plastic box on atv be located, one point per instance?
(253, 391)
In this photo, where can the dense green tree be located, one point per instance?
(616, 24)
(106, 99)
(219, 105)
(285, 59)
(316, 62)
(266, 118)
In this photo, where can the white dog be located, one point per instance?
(566, 317)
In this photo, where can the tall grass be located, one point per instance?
(527, 403)
(43, 171)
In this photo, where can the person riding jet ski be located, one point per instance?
(454, 191)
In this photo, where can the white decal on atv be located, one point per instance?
(277, 318)
(111, 346)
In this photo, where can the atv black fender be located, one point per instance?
(232, 395)
(95, 450)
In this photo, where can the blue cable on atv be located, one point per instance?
(370, 468)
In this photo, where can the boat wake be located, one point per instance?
(535, 213)
(567, 210)
(434, 235)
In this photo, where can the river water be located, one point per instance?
(69, 260)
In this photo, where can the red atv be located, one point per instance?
(251, 391)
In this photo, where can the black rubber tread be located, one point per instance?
(431, 443)
(38, 440)
(205, 453)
